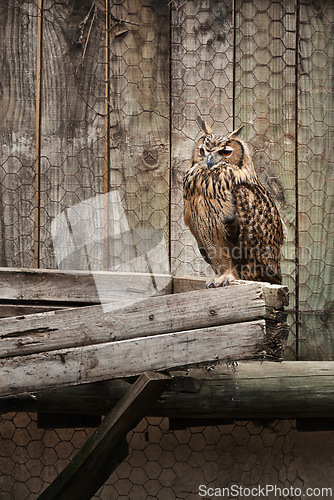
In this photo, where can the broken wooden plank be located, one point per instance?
(100, 455)
(166, 314)
(253, 389)
(45, 285)
(131, 357)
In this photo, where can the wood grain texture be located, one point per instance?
(139, 131)
(264, 102)
(72, 125)
(253, 390)
(315, 137)
(17, 132)
(79, 287)
(158, 315)
(131, 357)
(202, 84)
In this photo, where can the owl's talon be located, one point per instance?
(227, 281)
(211, 284)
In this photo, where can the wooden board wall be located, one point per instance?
(17, 132)
(139, 131)
(119, 97)
(72, 128)
(264, 100)
(315, 178)
(201, 84)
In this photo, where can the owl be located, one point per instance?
(232, 216)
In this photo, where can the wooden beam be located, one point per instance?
(105, 449)
(14, 309)
(291, 389)
(125, 358)
(166, 314)
(74, 287)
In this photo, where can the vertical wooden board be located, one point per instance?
(265, 102)
(139, 133)
(17, 132)
(72, 130)
(316, 138)
(201, 84)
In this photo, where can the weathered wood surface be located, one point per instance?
(75, 287)
(131, 357)
(166, 314)
(139, 107)
(201, 83)
(264, 101)
(10, 310)
(253, 389)
(17, 132)
(315, 184)
(72, 117)
(51, 285)
(103, 451)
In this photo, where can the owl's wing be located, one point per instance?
(261, 233)
(195, 230)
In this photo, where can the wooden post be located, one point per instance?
(107, 446)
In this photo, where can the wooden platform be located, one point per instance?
(87, 343)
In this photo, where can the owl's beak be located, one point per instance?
(210, 162)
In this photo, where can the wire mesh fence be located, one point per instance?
(102, 97)
(161, 464)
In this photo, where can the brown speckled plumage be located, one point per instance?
(232, 216)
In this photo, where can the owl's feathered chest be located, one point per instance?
(208, 197)
(217, 183)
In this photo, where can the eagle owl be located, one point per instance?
(231, 215)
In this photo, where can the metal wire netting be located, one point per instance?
(101, 97)
(108, 106)
(161, 464)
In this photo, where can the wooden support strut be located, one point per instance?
(107, 447)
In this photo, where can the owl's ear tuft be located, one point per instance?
(204, 126)
(236, 132)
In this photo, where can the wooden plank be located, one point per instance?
(265, 96)
(275, 296)
(91, 325)
(315, 173)
(95, 461)
(251, 390)
(44, 285)
(11, 310)
(139, 131)
(131, 357)
(72, 121)
(17, 132)
(201, 84)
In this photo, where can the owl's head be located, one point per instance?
(221, 151)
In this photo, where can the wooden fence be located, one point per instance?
(103, 96)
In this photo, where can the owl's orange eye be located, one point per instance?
(226, 151)
(202, 151)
